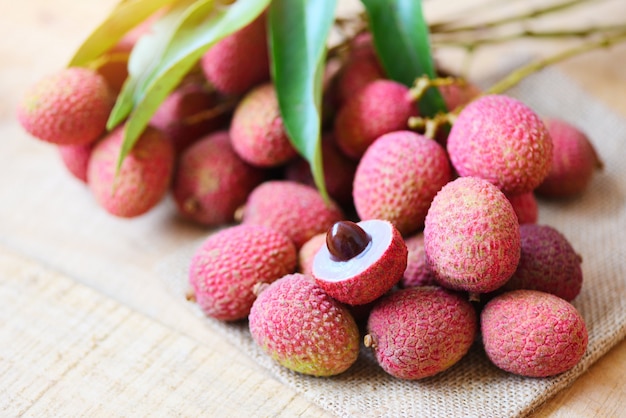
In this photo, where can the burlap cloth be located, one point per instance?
(595, 224)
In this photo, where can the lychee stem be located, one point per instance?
(368, 341)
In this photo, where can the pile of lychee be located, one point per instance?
(426, 246)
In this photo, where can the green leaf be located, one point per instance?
(402, 42)
(125, 16)
(298, 35)
(181, 39)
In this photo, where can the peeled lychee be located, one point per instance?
(360, 262)
(574, 161)
(70, 107)
(301, 327)
(143, 179)
(398, 178)
(420, 331)
(228, 265)
(525, 207)
(211, 181)
(500, 139)
(417, 272)
(76, 159)
(471, 236)
(548, 263)
(240, 61)
(257, 131)
(532, 333)
(380, 107)
(297, 210)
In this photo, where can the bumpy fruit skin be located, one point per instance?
(472, 236)
(532, 333)
(456, 95)
(76, 159)
(361, 68)
(574, 161)
(398, 177)
(257, 131)
(240, 61)
(548, 263)
(525, 207)
(296, 323)
(70, 107)
(211, 181)
(500, 139)
(297, 210)
(380, 107)
(143, 179)
(226, 267)
(307, 252)
(417, 272)
(421, 331)
(359, 286)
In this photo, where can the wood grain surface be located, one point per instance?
(86, 330)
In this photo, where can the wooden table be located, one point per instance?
(85, 329)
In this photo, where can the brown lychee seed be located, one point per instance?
(533, 333)
(302, 328)
(211, 181)
(548, 263)
(500, 139)
(574, 161)
(228, 265)
(297, 210)
(420, 331)
(368, 261)
(471, 236)
(142, 180)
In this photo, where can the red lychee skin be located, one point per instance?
(257, 131)
(240, 61)
(359, 70)
(143, 179)
(211, 182)
(376, 280)
(398, 177)
(380, 107)
(69, 107)
(532, 333)
(297, 210)
(548, 263)
(417, 272)
(574, 161)
(500, 139)
(297, 324)
(471, 236)
(421, 331)
(226, 267)
(180, 115)
(76, 159)
(307, 252)
(456, 95)
(525, 207)
(338, 171)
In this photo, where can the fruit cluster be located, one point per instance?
(445, 245)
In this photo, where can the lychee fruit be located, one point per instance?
(302, 328)
(548, 263)
(76, 159)
(143, 178)
(360, 261)
(500, 139)
(574, 161)
(69, 107)
(307, 252)
(257, 131)
(382, 106)
(211, 182)
(420, 331)
(239, 61)
(398, 178)
(460, 94)
(297, 210)
(361, 68)
(228, 265)
(525, 207)
(471, 236)
(533, 333)
(417, 272)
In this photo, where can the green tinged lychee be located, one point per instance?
(297, 324)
